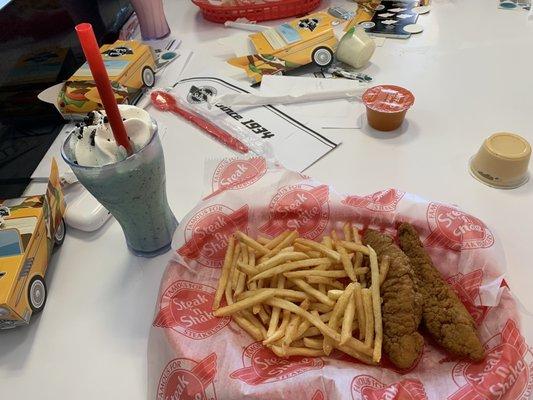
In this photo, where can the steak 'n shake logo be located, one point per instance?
(318, 396)
(366, 387)
(234, 174)
(186, 308)
(185, 379)
(504, 374)
(300, 207)
(202, 94)
(382, 201)
(467, 288)
(456, 230)
(261, 365)
(207, 233)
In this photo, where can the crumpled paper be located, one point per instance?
(193, 355)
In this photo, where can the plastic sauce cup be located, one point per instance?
(386, 106)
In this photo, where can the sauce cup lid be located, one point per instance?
(388, 98)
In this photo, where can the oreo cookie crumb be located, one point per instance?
(106, 120)
(93, 135)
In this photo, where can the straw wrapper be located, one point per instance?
(194, 355)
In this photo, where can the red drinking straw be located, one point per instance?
(96, 64)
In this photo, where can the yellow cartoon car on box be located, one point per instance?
(30, 228)
(310, 39)
(130, 65)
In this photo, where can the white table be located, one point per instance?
(469, 72)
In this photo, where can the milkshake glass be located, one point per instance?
(134, 191)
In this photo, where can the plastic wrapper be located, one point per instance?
(199, 114)
(193, 355)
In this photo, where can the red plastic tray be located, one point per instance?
(254, 10)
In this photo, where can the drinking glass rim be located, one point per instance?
(106, 166)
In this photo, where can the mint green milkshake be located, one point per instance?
(132, 188)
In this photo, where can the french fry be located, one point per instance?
(236, 258)
(384, 269)
(326, 241)
(296, 351)
(252, 330)
(355, 247)
(241, 283)
(304, 326)
(313, 343)
(289, 294)
(289, 249)
(272, 243)
(310, 332)
(323, 267)
(321, 248)
(251, 261)
(263, 316)
(356, 237)
(286, 241)
(290, 333)
(279, 269)
(301, 247)
(369, 317)
(244, 304)
(322, 327)
(278, 334)
(334, 240)
(376, 303)
(274, 316)
(347, 230)
(322, 288)
(258, 247)
(281, 258)
(224, 274)
(355, 354)
(361, 320)
(244, 253)
(315, 272)
(347, 321)
(320, 307)
(359, 346)
(263, 240)
(255, 322)
(347, 264)
(249, 270)
(233, 277)
(313, 254)
(315, 280)
(321, 297)
(335, 294)
(336, 316)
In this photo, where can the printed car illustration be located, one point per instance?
(30, 228)
(302, 41)
(130, 65)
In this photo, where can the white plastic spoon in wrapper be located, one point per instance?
(249, 99)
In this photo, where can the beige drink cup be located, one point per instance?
(502, 161)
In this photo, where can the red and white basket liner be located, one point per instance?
(193, 355)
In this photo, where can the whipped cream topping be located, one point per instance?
(93, 143)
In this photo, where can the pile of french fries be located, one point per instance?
(305, 298)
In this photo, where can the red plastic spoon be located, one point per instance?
(165, 101)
